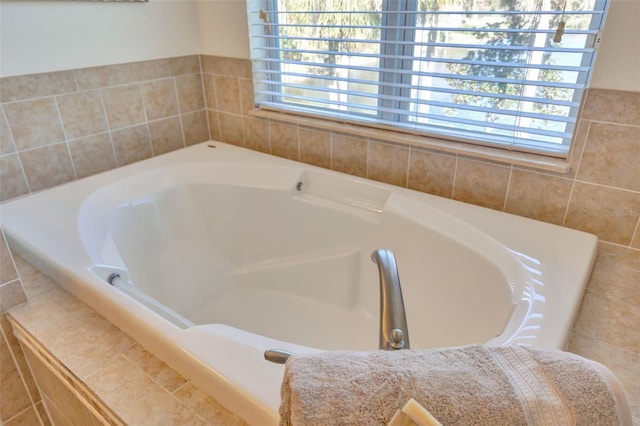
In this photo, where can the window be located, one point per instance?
(507, 73)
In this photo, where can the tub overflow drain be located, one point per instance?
(299, 186)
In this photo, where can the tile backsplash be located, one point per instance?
(60, 126)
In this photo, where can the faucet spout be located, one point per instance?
(394, 333)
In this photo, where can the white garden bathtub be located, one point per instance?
(225, 252)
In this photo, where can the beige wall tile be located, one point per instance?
(349, 154)
(131, 144)
(166, 135)
(14, 397)
(190, 96)
(284, 140)
(92, 154)
(34, 282)
(206, 407)
(36, 85)
(240, 68)
(124, 106)
(38, 315)
(59, 395)
(11, 294)
(42, 412)
(388, 163)
(159, 97)
(636, 240)
(135, 72)
(613, 106)
(57, 417)
(227, 94)
(29, 417)
(82, 114)
(230, 130)
(7, 270)
(20, 361)
(214, 125)
(577, 147)
(616, 274)
(153, 367)
(34, 123)
(315, 147)
(95, 77)
(47, 166)
(612, 321)
(431, 172)
(195, 127)
(209, 83)
(113, 75)
(612, 156)
(256, 134)
(6, 140)
(538, 196)
(480, 183)
(607, 212)
(208, 63)
(246, 95)
(172, 67)
(137, 398)
(96, 342)
(12, 180)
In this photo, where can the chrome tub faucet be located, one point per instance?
(394, 333)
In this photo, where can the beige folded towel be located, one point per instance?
(470, 385)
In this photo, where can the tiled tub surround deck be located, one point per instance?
(598, 194)
(89, 372)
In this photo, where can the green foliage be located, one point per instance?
(332, 28)
(500, 63)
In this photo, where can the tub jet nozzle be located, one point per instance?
(111, 279)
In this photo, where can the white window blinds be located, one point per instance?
(508, 73)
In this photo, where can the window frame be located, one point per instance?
(396, 95)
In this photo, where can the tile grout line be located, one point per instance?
(506, 194)
(167, 391)
(455, 177)
(575, 177)
(206, 103)
(22, 379)
(108, 123)
(66, 138)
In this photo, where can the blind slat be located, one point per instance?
(428, 59)
(440, 45)
(559, 85)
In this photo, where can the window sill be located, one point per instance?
(504, 156)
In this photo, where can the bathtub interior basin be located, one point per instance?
(281, 257)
